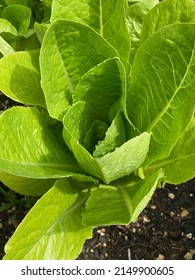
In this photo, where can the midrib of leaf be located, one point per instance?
(126, 199)
(166, 162)
(65, 71)
(40, 164)
(101, 20)
(160, 115)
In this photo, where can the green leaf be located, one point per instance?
(120, 204)
(52, 230)
(179, 166)
(18, 15)
(27, 3)
(165, 13)
(115, 137)
(20, 78)
(125, 159)
(7, 27)
(101, 87)
(30, 148)
(135, 17)
(107, 17)
(121, 162)
(5, 48)
(95, 134)
(40, 29)
(26, 186)
(68, 51)
(77, 122)
(163, 84)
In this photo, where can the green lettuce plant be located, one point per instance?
(109, 115)
(20, 22)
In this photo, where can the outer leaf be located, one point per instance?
(30, 148)
(163, 84)
(68, 51)
(179, 167)
(101, 87)
(121, 204)
(18, 15)
(20, 78)
(165, 13)
(20, 2)
(26, 186)
(107, 17)
(135, 16)
(52, 230)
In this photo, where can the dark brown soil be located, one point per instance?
(164, 230)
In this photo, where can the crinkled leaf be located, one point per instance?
(115, 137)
(121, 162)
(20, 78)
(125, 159)
(77, 122)
(179, 166)
(107, 17)
(161, 96)
(18, 15)
(165, 13)
(52, 230)
(121, 204)
(135, 16)
(68, 51)
(101, 87)
(30, 148)
(26, 186)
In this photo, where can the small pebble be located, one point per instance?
(160, 257)
(153, 207)
(171, 195)
(145, 219)
(189, 235)
(172, 214)
(126, 237)
(189, 255)
(184, 213)
(1, 225)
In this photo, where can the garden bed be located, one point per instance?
(164, 230)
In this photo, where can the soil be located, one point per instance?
(164, 230)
